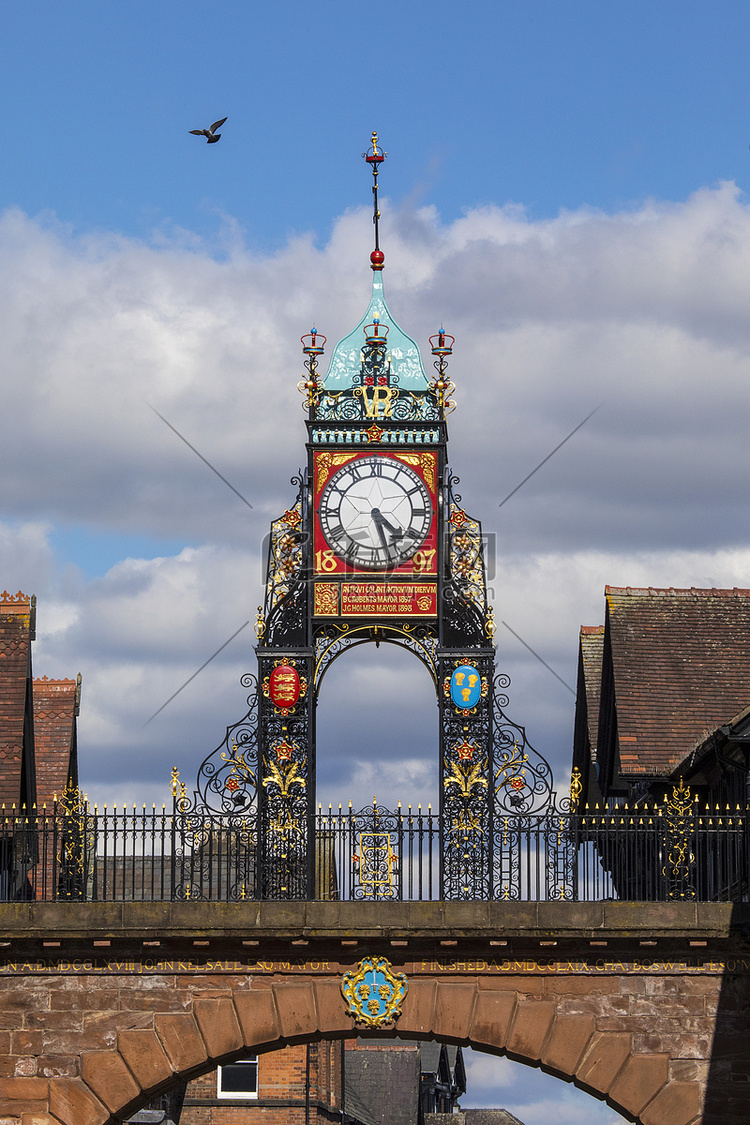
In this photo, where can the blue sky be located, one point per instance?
(548, 105)
(565, 189)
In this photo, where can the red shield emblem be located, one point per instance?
(284, 686)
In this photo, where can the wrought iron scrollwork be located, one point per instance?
(214, 844)
(334, 639)
(375, 835)
(467, 619)
(285, 797)
(679, 859)
(227, 777)
(522, 776)
(466, 798)
(77, 846)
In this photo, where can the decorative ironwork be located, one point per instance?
(375, 833)
(466, 797)
(638, 853)
(213, 838)
(576, 788)
(679, 860)
(523, 777)
(227, 778)
(77, 844)
(333, 639)
(374, 993)
(313, 345)
(467, 618)
(284, 552)
(441, 387)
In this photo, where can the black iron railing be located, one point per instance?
(76, 852)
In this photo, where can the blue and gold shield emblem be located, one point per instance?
(466, 686)
(374, 992)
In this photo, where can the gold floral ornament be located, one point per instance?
(374, 993)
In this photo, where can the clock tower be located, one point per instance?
(376, 547)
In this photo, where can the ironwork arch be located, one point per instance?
(336, 640)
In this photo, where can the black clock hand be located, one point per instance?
(381, 530)
(396, 532)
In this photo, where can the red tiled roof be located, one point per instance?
(55, 709)
(681, 665)
(16, 632)
(592, 651)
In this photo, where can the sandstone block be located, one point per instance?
(218, 1024)
(604, 1058)
(107, 1075)
(530, 1027)
(677, 1104)
(639, 1081)
(454, 1008)
(145, 1057)
(182, 1041)
(295, 1004)
(492, 1017)
(258, 1017)
(566, 1043)
(332, 1014)
(74, 1104)
(419, 1008)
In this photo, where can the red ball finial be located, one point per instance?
(378, 259)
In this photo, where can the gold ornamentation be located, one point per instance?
(512, 771)
(326, 462)
(576, 788)
(374, 432)
(375, 865)
(174, 784)
(466, 777)
(241, 772)
(374, 993)
(424, 461)
(378, 405)
(466, 560)
(680, 860)
(326, 599)
(260, 623)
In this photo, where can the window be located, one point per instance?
(238, 1080)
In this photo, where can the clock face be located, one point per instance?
(375, 512)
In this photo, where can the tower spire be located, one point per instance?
(375, 157)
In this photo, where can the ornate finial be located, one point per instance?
(313, 345)
(576, 788)
(260, 624)
(174, 784)
(375, 157)
(441, 387)
(489, 625)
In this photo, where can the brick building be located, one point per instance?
(357, 1082)
(663, 694)
(38, 741)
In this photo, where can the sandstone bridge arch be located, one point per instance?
(103, 1004)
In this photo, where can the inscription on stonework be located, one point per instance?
(611, 967)
(116, 968)
(448, 966)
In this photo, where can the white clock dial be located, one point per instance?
(375, 512)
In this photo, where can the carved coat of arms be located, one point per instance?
(374, 992)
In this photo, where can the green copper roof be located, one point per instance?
(406, 361)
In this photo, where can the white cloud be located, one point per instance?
(643, 311)
(485, 1073)
(530, 1095)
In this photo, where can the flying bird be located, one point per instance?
(210, 134)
